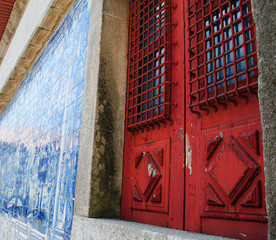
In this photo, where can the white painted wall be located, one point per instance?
(32, 18)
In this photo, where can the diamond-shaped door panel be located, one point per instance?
(252, 138)
(157, 194)
(212, 146)
(150, 176)
(254, 198)
(213, 198)
(147, 174)
(136, 194)
(225, 162)
(233, 169)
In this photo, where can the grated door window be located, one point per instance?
(148, 93)
(222, 44)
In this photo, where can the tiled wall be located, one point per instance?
(39, 137)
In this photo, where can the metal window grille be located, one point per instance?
(148, 89)
(222, 46)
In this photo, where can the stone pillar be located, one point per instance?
(264, 13)
(99, 176)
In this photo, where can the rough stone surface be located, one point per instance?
(31, 52)
(18, 74)
(100, 164)
(51, 20)
(99, 229)
(264, 13)
(109, 128)
(25, 63)
(117, 9)
(84, 176)
(40, 37)
(61, 4)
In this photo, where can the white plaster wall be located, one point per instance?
(33, 16)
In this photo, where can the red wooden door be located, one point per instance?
(153, 175)
(193, 139)
(224, 172)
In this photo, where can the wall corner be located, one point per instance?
(99, 178)
(264, 13)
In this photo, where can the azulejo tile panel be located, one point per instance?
(39, 137)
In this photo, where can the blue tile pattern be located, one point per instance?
(39, 137)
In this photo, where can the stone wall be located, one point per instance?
(99, 181)
(265, 18)
(39, 137)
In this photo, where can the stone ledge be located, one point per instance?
(105, 229)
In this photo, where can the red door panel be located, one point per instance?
(193, 138)
(225, 176)
(151, 180)
(153, 175)
(233, 176)
(234, 229)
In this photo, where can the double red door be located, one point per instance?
(193, 138)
